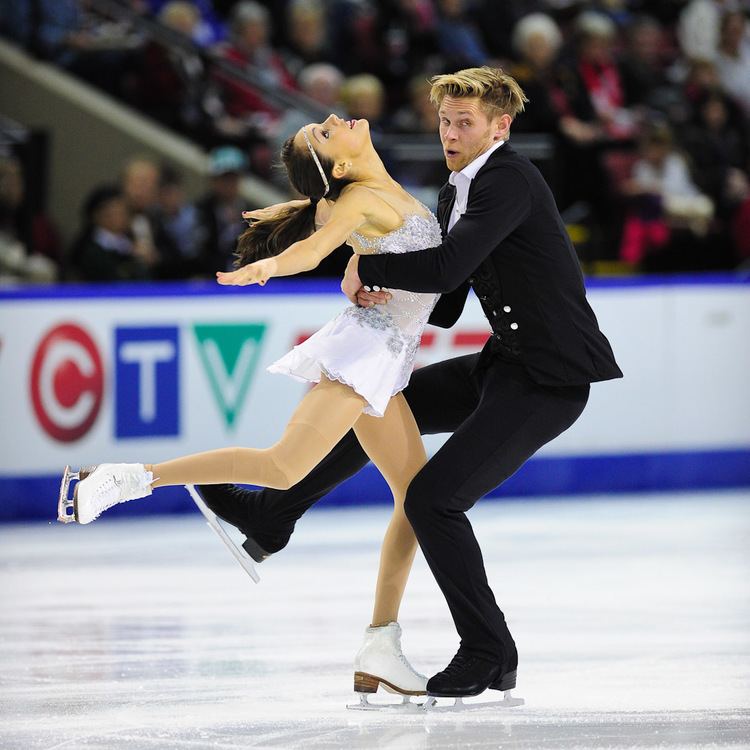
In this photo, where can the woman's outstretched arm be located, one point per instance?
(347, 215)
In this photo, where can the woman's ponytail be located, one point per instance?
(268, 237)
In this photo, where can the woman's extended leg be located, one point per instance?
(322, 418)
(395, 446)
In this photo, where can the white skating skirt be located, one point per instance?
(372, 362)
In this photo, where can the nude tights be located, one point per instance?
(322, 418)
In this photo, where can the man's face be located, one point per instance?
(466, 131)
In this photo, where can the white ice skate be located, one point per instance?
(380, 661)
(237, 551)
(99, 488)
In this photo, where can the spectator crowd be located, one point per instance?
(647, 103)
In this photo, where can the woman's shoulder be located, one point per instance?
(372, 200)
(355, 189)
(356, 198)
(384, 207)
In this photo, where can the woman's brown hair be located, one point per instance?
(269, 237)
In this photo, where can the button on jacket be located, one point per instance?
(512, 237)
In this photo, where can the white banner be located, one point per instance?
(147, 378)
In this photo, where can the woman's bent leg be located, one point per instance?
(395, 447)
(322, 418)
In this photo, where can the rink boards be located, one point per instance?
(145, 373)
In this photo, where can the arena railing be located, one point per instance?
(152, 29)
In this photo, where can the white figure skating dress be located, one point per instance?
(372, 349)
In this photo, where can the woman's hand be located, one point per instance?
(259, 214)
(351, 283)
(253, 273)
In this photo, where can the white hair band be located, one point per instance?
(317, 161)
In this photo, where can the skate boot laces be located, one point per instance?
(110, 484)
(459, 663)
(404, 660)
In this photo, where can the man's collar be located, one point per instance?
(471, 169)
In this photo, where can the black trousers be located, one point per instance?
(499, 417)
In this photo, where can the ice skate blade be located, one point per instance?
(244, 560)
(406, 705)
(65, 512)
(66, 505)
(508, 701)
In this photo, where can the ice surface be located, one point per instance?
(632, 618)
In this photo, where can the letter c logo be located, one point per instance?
(67, 383)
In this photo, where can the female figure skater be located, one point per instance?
(361, 360)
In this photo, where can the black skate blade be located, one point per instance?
(243, 559)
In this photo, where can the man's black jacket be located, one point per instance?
(511, 245)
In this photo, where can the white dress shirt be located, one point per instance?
(462, 182)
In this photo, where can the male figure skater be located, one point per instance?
(503, 237)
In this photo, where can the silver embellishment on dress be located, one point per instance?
(389, 332)
(405, 316)
(416, 233)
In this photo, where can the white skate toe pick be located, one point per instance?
(103, 486)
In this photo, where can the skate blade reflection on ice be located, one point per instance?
(238, 553)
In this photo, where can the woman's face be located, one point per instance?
(336, 139)
(539, 50)
(253, 35)
(597, 49)
(655, 152)
(113, 216)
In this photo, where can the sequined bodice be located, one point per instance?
(417, 232)
(372, 349)
(407, 310)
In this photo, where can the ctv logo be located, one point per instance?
(147, 384)
(229, 354)
(67, 377)
(67, 382)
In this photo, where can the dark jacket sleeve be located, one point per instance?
(449, 307)
(500, 199)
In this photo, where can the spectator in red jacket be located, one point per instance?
(250, 50)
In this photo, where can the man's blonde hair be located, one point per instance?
(499, 93)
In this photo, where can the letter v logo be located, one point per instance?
(229, 354)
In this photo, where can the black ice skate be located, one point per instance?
(244, 556)
(240, 507)
(467, 676)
